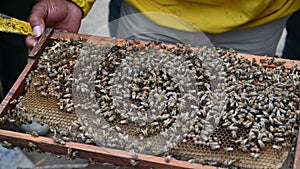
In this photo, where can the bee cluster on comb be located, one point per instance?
(203, 105)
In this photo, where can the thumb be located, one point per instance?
(37, 19)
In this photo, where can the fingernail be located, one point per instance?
(37, 31)
(34, 43)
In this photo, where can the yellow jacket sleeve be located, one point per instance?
(85, 5)
(214, 16)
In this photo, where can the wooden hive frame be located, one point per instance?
(85, 151)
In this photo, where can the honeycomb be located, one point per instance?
(226, 110)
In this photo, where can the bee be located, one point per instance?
(82, 128)
(271, 128)
(228, 149)
(243, 148)
(12, 120)
(233, 134)
(234, 121)
(277, 121)
(271, 136)
(154, 124)
(276, 147)
(62, 142)
(13, 102)
(89, 141)
(35, 84)
(226, 123)
(118, 129)
(266, 139)
(141, 136)
(69, 153)
(58, 140)
(34, 134)
(204, 137)
(7, 144)
(108, 113)
(255, 149)
(112, 118)
(232, 127)
(124, 122)
(74, 154)
(288, 133)
(42, 76)
(167, 122)
(294, 68)
(279, 139)
(91, 161)
(144, 132)
(66, 138)
(261, 143)
(168, 158)
(98, 111)
(70, 109)
(230, 162)
(251, 135)
(254, 155)
(194, 161)
(75, 124)
(133, 162)
(214, 146)
(58, 156)
(31, 145)
(212, 163)
(278, 134)
(133, 155)
(44, 94)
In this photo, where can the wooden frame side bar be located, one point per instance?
(100, 154)
(17, 89)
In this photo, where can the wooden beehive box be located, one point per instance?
(100, 154)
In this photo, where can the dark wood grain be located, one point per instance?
(42, 42)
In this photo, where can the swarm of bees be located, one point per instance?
(208, 105)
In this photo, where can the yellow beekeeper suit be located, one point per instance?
(212, 16)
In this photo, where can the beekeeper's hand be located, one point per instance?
(60, 14)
